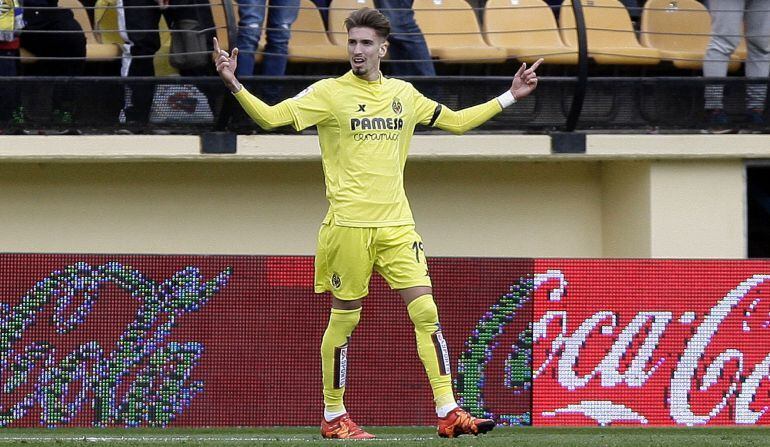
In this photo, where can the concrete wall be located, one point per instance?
(648, 197)
(462, 209)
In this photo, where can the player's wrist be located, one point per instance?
(235, 86)
(507, 99)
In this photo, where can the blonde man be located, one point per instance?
(365, 122)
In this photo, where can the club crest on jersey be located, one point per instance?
(396, 105)
(336, 281)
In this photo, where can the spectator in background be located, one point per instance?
(280, 16)
(141, 19)
(53, 32)
(10, 24)
(728, 18)
(406, 40)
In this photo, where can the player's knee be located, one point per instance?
(345, 319)
(424, 313)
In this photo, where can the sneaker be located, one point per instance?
(460, 422)
(718, 122)
(343, 428)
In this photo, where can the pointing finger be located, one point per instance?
(536, 64)
(521, 70)
(235, 53)
(217, 49)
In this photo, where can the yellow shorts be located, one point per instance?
(346, 257)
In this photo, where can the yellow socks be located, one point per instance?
(334, 353)
(432, 349)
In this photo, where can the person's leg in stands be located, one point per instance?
(726, 25)
(758, 59)
(69, 43)
(407, 43)
(280, 16)
(251, 15)
(141, 18)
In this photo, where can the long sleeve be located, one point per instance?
(268, 117)
(464, 120)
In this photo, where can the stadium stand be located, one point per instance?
(453, 34)
(627, 99)
(611, 36)
(527, 30)
(679, 30)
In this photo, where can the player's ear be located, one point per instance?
(383, 49)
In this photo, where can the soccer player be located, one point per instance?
(365, 122)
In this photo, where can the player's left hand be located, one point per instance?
(525, 80)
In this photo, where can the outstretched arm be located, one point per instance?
(266, 116)
(461, 121)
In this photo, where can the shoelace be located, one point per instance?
(464, 420)
(351, 426)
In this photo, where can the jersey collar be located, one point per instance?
(357, 80)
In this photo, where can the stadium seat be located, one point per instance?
(95, 49)
(527, 30)
(309, 42)
(610, 34)
(220, 21)
(680, 30)
(339, 10)
(452, 32)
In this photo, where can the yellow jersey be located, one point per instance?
(364, 130)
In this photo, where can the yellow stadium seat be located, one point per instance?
(680, 30)
(220, 21)
(610, 34)
(309, 42)
(452, 32)
(95, 49)
(527, 30)
(339, 10)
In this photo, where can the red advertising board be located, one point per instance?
(651, 342)
(219, 341)
(141, 340)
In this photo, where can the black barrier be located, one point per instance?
(193, 105)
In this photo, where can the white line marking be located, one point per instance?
(309, 438)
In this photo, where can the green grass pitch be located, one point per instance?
(390, 436)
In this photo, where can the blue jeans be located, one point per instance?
(406, 40)
(8, 66)
(280, 16)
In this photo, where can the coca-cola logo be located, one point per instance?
(693, 357)
(497, 361)
(36, 376)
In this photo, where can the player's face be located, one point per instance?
(365, 49)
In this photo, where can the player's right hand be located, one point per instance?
(226, 64)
